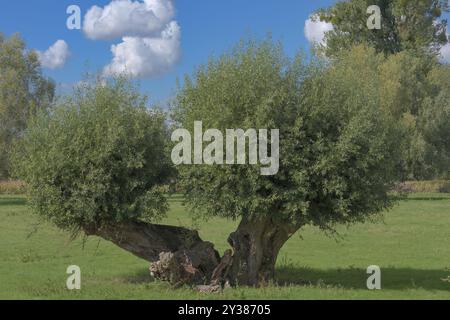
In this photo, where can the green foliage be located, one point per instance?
(436, 123)
(416, 85)
(406, 25)
(96, 158)
(416, 91)
(339, 147)
(23, 91)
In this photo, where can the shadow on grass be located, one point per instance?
(426, 199)
(350, 278)
(422, 198)
(12, 201)
(140, 277)
(354, 278)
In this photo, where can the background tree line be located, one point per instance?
(23, 91)
(417, 85)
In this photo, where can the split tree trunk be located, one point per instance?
(180, 256)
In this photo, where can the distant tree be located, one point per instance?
(435, 124)
(406, 25)
(23, 91)
(411, 36)
(415, 89)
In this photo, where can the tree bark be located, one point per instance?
(177, 255)
(256, 244)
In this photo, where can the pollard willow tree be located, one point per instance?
(94, 163)
(339, 147)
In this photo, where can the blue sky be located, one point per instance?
(206, 27)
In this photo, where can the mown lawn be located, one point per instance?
(412, 247)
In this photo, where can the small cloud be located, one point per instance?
(315, 30)
(148, 56)
(128, 18)
(56, 56)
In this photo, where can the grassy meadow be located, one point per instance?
(411, 245)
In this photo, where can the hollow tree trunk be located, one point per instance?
(177, 255)
(256, 244)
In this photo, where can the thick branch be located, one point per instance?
(177, 254)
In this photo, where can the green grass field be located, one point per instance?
(412, 247)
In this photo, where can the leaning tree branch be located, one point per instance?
(177, 254)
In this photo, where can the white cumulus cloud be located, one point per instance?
(56, 56)
(150, 35)
(128, 18)
(146, 56)
(315, 30)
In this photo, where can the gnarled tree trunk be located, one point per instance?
(177, 255)
(256, 244)
(180, 256)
